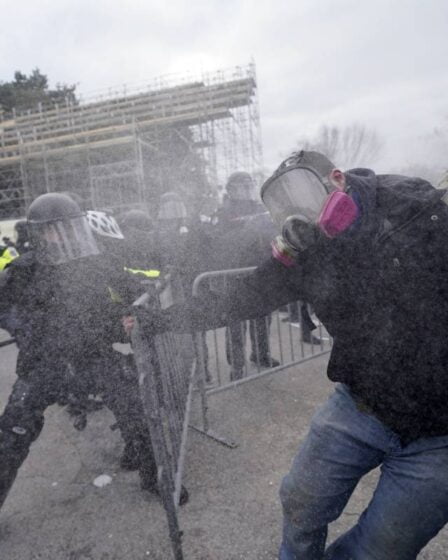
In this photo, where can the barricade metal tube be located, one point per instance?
(280, 345)
(7, 342)
(218, 369)
(201, 378)
(165, 364)
(290, 340)
(256, 376)
(183, 448)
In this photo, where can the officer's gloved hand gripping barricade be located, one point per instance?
(166, 376)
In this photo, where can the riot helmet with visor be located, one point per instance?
(240, 186)
(171, 207)
(135, 219)
(58, 229)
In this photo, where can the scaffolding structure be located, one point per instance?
(124, 148)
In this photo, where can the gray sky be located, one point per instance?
(381, 63)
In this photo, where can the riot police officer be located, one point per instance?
(60, 291)
(243, 233)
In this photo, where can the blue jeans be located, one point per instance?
(409, 505)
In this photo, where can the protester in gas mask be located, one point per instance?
(370, 253)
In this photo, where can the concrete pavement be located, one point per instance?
(54, 511)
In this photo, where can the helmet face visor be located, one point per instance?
(62, 241)
(243, 190)
(172, 210)
(295, 199)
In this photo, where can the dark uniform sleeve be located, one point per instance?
(15, 279)
(13, 283)
(256, 295)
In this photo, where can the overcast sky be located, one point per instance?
(382, 63)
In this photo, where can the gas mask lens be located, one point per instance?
(298, 191)
(294, 200)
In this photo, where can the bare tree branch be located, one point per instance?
(350, 146)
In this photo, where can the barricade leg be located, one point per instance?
(201, 380)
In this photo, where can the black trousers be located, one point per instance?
(23, 418)
(301, 316)
(236, 343)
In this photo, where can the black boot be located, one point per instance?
(236, 373)
(183, 496)
(147, 467)
(148, 476)
(311, 339)
(148, 482)
(20, 425)
(15, 442)
(129, 460)
(8, 474)
(265, 361)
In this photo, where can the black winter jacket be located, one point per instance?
(382, 293)
(65, 312)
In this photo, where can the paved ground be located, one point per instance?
(54, 512)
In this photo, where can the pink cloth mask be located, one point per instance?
(338, 214)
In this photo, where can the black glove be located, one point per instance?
(151, 321)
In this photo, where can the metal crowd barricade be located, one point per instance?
(216, 352)
(166, 377)
(171, 365)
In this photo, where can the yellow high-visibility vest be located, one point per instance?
(7, 256)
(151, 273)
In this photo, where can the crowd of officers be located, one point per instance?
(68, 279)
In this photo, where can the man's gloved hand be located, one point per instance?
(151, 321)
(128, 322)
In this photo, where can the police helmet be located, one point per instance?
(136, 219)
(59, 230)
(171, 207)
(240, 186)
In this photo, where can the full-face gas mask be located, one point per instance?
(304, 204)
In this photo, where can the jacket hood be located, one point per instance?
(400, 198)
(394, 199)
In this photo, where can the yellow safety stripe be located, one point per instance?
(114, 296)
(151, 273)
(8, 255)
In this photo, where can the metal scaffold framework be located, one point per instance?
(124, 148)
